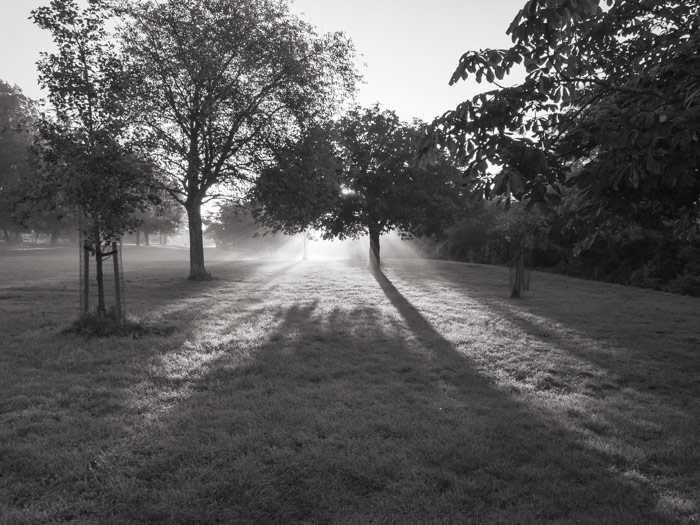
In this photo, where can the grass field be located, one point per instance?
(311, 392)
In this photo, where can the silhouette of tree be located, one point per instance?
(222, 84)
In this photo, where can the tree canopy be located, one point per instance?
(609, 104)
(84, 154)
(222, 84)
(356, 178)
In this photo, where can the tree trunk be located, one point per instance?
(146, 240)
(6, 236)
(138, 238)
(86, 277)
(519, 281)
(374, 257)
(54, 239)
(99, 274)
(117, 282)
(305, 253)
(612, 250)
(194, 222)
(101, 308)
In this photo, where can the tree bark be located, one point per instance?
(54, 239)
(101, 308)
(519, 281)
(6, 235)
(138, 238)
(305, 253)
(194, 222)
(374, 257)
(99, 274)
(86, 278)
(146, 240)
(117, 282)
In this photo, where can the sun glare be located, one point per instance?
(392, 246)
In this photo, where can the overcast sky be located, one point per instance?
(410, 47)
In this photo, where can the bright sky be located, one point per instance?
(410, 47)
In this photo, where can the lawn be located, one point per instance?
(313, 392)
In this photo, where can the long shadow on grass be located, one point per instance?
(569, 322)
(447, 353)
(659, 371)
(660, 381)
(636, 403)
(81, 399)
(352, 415)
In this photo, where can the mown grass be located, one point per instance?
(311, 392)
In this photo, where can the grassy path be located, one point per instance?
(311, 392)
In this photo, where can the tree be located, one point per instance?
(359, 179)
(83, 154)
(17, 113)
(44, 217)
(163, 218)
(301, 184)
(609, 104)
(223, 84)
(234, 227)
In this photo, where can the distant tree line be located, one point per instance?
(233, 227)
(28, 207)
(635, 256)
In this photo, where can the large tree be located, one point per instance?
(222, 84)
(610, 103)
(359, 178)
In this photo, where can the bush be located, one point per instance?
(685, 284)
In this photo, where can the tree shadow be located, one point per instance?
(356, 415)
(632, 399)
(584, 320)
(175, 298)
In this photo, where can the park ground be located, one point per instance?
(313, 392)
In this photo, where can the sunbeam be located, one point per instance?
(392, 246)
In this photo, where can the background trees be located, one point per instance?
(222, 84)
(163, 218)
(233, 227)
(17, 113)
